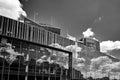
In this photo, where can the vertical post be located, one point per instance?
(35, 62)
(51, 21)
(26, 70)
(34, 16)
(61, 73)
(1, 26)
(76, 45)
(70, 66)
(2, 78)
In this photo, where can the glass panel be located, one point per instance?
(5, 25)
(32, 58)
(15, 50)
(38, 62)
(19, 30)
(23, 61)
(15, 29)
(9, 31)
(32, 62)
(24, 31)
(1, 24)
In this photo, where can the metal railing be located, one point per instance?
(33, 33)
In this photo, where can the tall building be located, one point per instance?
(25, 53)
(45, 26)
(90, 42)
(91, 49)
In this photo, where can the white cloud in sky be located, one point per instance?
(106, 46)
(79, 63)
(74, 49)
(112, 67)
(11, 8)
(56, 45)
(104, 65)
(88, 33)
(96, 63)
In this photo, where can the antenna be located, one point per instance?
(67, 33)
(35, 14)
(51, 21)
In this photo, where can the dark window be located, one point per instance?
(1, 24)
(10, 25)
(15, 29)
(5, 25)
(32, 58)
(29, 33)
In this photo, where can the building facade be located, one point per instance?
(25, 53)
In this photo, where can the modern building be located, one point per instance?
(25, 53)
(91, 49)
(45, 26)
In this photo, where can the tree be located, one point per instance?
(8, 53)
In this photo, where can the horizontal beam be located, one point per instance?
(45, 46)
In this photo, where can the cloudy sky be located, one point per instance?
(75, 16)
(92, 18)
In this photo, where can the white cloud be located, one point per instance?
(109, 69)
(88, 33)
(114, 66)
(104, 65)
(56, 45)
(11, 8)
(78, 60)
(96, 63)
(78, 63)
(106, 46)
(74, 49)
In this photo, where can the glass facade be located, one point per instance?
(25, 54)
(33, 62)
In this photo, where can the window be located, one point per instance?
(23, 60)
(21, 30)
(10, 25)
(29, 32)
(32, 58)
(1, 24)
(24, 31)
(18, 30)
(15, 29)
(5, 25)
(36, 34)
